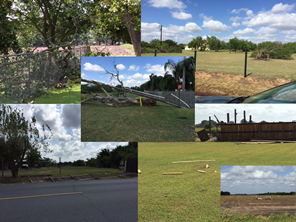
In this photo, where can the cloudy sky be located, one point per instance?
(257, 179)
(65, 124)
(133, 71)
(259, 112)
(183, 20)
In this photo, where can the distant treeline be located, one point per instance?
(275, 193)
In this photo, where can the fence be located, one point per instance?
(187, 97)
(28, 75)
(263, 131)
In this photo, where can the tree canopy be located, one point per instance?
(19, 136)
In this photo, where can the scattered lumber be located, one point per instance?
(173, 173)
(193, 161)
(269, 142)
(276, 141)
(201, 171)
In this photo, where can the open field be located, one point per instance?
(248, 204)
(222, 74)
(195, 196)
(24, 174)
(135, 123)
(184, 53)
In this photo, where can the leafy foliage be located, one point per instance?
(20, 136)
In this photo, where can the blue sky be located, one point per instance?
(257, 179)
(259, 112)
(133, 71)
(183, 20)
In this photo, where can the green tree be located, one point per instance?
(234, 44)
(114, 15)
(55, 20)
(33, 156)
(8, 38)
(20, 136)
(214, 43)
(197, 43)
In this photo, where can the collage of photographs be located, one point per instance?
(149, 111)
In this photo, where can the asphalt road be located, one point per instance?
(95, 200)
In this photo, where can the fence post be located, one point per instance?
(246, 56)
(195, 59)
(155, 52)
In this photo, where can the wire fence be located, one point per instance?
(186, 96)
(28, 75)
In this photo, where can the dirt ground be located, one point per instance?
(248, 204)
(220, 84)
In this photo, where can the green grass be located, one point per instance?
(184, 53)
(233, 63)
(129, 47)
(195, 196)
(54, 96)
(61, 96)
(65, 171)
(136, 123)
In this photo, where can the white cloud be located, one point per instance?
(151, 31)
(244, 32)
(120, 67)
(215, 26)
(249, 13)
(235, 24)
(282, 8)
(171, 4)
(276, 18)
(289, 32)
(83, 76)
(156, 70)
(133, 68)
(138, 76)
(95, 68)
(235, 19)
(266, 31)
(237, 11)
(181, 15)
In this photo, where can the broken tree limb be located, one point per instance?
(108, 99)
(192, 161)
(201, 171)
(173, 173)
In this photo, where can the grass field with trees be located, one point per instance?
(132, 122)
(195, 196)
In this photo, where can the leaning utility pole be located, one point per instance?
(160, 34)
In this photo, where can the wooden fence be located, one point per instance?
(260, 131)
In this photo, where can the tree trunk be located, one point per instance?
(14, 168)
(134, 35)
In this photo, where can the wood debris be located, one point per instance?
(173, 173)
(192, 161)
(201, 171)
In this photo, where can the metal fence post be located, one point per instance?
(155, 53)
(246, 55)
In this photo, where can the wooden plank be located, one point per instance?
(201, 171)
(193, 161)
(173, 173)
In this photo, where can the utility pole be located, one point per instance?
(160, 34)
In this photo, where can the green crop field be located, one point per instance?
(195, 196)
(135, 123)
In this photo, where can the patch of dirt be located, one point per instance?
(220, 84)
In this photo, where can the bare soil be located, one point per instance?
(248, 204)
(220, 84)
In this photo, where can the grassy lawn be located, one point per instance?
(135, 123)
(195, 196)
(61, 96)
(129, 47)
(65, 171)
(184, 53)
(54, 96)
